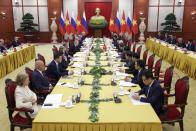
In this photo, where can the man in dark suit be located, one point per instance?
(160, 36)
(16, 42)
(172, 40)
(54, 71)
(2, 46)
(65, 61)
(39, 79)
(190, 46)
(180, 43)
(152, 91)
(131, 64)
(140, 67)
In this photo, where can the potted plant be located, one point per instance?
(28, 26)
(170, 24)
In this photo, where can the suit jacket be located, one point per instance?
(23, 98)
(64, 64)
(191, 47)
(131, 69)
(138, 78)
(39, 81)
(2, 48)
(181, 45)
(154, 96)
(15, 43)
(55, 72)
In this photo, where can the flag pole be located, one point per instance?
(62, 37)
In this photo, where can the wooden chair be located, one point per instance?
(157, 68)
(175, 112)
(17, 120)
(139, 49)
(134, 47)
(145, 55)
(151, 62)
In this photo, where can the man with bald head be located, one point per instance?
(39, 79)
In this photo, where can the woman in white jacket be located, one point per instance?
(24, 97)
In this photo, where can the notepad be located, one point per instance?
(77, 65)
(52, 101)
(126, 84)
(137, 102)
(121, 74)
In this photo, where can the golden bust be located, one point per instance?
(97, 21)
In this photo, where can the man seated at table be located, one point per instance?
(2, 46)
(190, 46)
(39, 79)
(16, 42)
(54, 71)
(131, 64)
(172, 40)
(166, 37)
(180, 43)
(140, 67)
(160, 36)
(64, 64)
(66, 52)
(125, 50)
(152, 91)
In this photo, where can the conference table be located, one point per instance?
(15, 59)
(186, 62)
(125, 116)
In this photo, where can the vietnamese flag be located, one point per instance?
(79, 26)
(123, 23)
(111, 26)
(67, 24)
(135, 29)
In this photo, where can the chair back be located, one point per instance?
(139, 49)
(29, 72)
(168, 78)
(10, 87)
(157, 68)
(181, 92)
(134, 46)
(145, 54)
(151, 62)
(41, 57)
(54, 49)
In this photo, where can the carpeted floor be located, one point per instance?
(46, 50)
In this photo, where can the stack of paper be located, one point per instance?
(126, 84)
(137, 102)
(121, 74)
(77, 65)
(52, 101)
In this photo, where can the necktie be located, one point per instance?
(148, 91)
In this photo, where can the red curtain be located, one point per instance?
(105, 7)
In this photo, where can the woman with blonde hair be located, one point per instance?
(24, 97)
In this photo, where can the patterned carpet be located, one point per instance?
(46, 50)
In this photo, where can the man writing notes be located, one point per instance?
(152, 91)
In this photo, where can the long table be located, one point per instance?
(124, 116)
(13, 60)
(182, 61)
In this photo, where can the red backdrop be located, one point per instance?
(106, 9)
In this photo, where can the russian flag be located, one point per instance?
(73, 22)
(129, 22)
(84, 23)
(62, 24)
(117, 23)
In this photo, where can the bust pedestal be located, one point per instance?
(98, 33)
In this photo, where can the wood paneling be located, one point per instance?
(81, 4)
